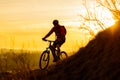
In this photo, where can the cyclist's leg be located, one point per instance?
(58, 51)
(59, 45)
(53, 51)
(61, 42)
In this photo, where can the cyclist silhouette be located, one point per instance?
(60, 32)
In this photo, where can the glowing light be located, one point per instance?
(94, 13)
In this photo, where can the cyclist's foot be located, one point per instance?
(58, 58)
(55, 60)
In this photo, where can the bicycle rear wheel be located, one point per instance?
(44, 60)
(63, 55)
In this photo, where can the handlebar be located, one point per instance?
(48, 40)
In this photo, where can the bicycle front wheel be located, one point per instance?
(44, 60)
(63, 55)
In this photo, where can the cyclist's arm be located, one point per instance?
(49, 33)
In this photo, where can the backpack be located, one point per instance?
(63, 30)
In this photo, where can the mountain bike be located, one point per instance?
(45, 56)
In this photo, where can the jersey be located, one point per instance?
(63, 31)
(60, 32)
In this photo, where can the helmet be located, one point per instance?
(55, 22)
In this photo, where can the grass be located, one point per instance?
(14, 60)
(20, 64)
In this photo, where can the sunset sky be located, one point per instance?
(24, 22)
(22, 14)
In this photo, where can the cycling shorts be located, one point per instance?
(59, 42)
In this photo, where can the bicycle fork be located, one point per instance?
(46, 57)
(48, 50)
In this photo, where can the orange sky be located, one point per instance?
(24, 22)
(20, 14)
(33, 14)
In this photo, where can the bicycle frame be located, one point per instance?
(48, 49)
(50, 45)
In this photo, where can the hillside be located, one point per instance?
(99, 60)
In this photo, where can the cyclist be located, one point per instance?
(60, 32)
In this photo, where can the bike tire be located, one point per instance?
(44, 60)
(63, 55)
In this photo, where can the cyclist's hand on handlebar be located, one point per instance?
(43, 39)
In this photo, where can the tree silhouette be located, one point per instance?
(92, 14)
(112, 5)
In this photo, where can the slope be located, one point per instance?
(99, 60)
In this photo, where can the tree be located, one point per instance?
(92, 16)
(112, 5)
